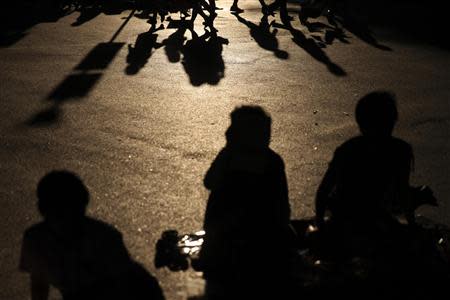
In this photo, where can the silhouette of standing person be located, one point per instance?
(82, 257)
(368, 177)
(247, 215)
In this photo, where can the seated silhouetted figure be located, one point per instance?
(368, 177)
(247, 214)
(82, 257)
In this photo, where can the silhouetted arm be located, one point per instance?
(404, 188)
(285, 208)
(323, 192)
(280, 210)
(39, 287)
(215, 175)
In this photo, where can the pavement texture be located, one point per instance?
(129, 111)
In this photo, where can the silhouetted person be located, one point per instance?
(247, 215)
(173, 45)
(82, 257)
(202, 58)
(140, 53)
(313, 49)
(368, 177)
(265, 38)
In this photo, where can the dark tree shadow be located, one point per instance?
(248, 205)
(263, 36)
(82, 257)
(202, 58)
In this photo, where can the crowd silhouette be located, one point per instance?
(365, 235)
(264, 33)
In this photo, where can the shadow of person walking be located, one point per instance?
(173, 45)
(82, 257)
(202, 58)
(311, 47)
(247, 216)
(262, 35)
(140, 53)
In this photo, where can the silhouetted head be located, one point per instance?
(250, 128)
(132, 69)
(281, 54)
(62, 196)
(376, 114)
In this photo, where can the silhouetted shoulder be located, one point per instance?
(32, 238)
(101, 229)
(360, 143)
(402, 145)
(276, 159)
(214, 176)
(227, 160)
(351, 144)
(35, 230)
(90, 226)
(97, 242)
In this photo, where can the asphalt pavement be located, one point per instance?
(140, 115)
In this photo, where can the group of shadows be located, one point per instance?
(264, 33)
(248, 247)
(200, 55)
